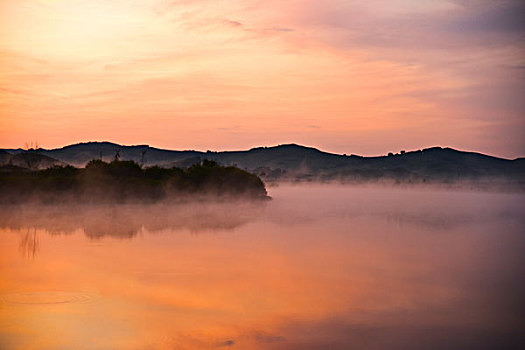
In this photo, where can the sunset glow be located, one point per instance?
(344, 76)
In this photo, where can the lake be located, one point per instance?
(318, 267)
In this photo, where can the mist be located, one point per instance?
(319, 266)
(126, 220)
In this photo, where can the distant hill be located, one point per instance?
(293, 162)
(431, 164)
(80, 154)
(28, 159)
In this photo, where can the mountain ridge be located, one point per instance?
(279, 146)
(297, 162)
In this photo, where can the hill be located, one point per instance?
(29, 160)
(291, 162)
(126, 181)
(80, 154)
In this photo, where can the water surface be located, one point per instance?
(317, 267)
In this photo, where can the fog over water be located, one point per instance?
(317, 267)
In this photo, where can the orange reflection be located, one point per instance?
(336, 280)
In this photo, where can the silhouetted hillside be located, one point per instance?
(28, 159)
(293, 162)
(4, 157)
(80, 154)
(122, 181)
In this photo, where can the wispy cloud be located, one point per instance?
(322, 73)
(281, 29)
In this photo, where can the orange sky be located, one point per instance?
(344, 76)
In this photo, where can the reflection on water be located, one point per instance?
(318, 267)
(126, 221)
(29, 244)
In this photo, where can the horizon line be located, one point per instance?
(265, 146)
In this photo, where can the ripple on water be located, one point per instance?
(46, 298)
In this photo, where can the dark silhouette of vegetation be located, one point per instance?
(124, 181)
(295, 163)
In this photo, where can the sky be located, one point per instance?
(355, 77)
